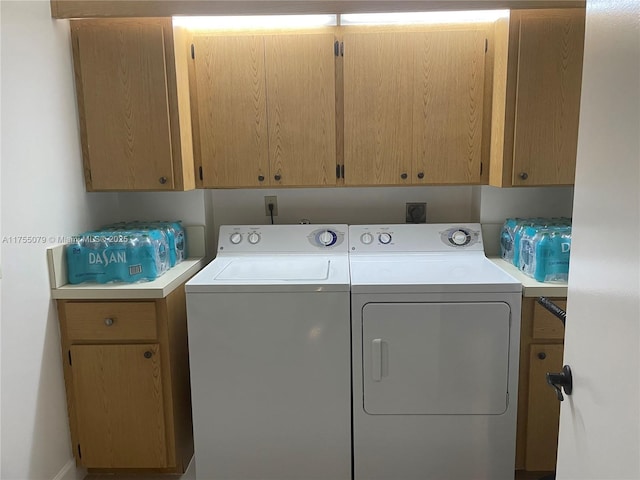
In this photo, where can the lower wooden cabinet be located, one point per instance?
(127, 381)
(541, 351)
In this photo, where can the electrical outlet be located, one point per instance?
(274, 200)
(416, 213)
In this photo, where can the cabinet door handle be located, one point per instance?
(163, 180)
(421, 175)
(148, 354)
(404, 176)
(108, 322)
(524, 175)
(277, 177)
(261, 178)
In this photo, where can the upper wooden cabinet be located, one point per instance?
(536, 105)
(413, 105)
(133, 102)
(264, 109)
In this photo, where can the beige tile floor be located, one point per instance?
(520, 475)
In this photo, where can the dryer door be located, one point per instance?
(435, 358)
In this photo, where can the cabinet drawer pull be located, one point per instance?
(148, 354)
(108, 322)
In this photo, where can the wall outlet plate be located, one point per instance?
(416, 212)
(271, 199)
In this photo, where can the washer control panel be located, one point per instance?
(421, 238)
(306, 238)
(460, 236)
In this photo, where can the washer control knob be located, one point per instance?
(366, 238)
(459, 237)
(384, 238)
(327, 238)
(253, 238)
(235, 238)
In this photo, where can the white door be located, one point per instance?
(600, 423)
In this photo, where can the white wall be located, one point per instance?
(500, 203)
(42, 195)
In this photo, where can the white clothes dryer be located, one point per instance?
(435, 342)
(269, 345)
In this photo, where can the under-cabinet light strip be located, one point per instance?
(255, 22)
(475, 16)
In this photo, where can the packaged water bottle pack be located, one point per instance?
(126, 252)
(539, 247)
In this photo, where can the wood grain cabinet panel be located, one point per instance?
(266, 109)
(231, 110)
(448, 106)
(128, 92)
(120, 409)
(127, 383)
(378, 110)
(300, 78)
(413, 105)
(541, 351)
(537, 99)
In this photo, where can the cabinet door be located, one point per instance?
(378, 109)
(544, 409)
(232, 110)
(119, 406)
(123, 99)
(548, 97)
(447, 106)
(300, 73)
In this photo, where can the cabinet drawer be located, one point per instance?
(111, 321)
(547, 326)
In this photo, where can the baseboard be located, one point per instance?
(71, 472)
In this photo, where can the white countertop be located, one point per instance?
(158, 288)
(531, 287)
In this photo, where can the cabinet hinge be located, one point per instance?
(69, 352)
(79, 451)
(200, 171)
(480, 168)
(342, 170)
(336, 48)
(342, 49)
(486, 45)
(193, 51)
(337, 171)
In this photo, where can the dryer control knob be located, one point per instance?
(366, 238)
(459, 237)
(253, 238)
(384, 238)
(327, 238)
(235, 238)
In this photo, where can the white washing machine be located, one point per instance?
(269, 346)
(435, 341)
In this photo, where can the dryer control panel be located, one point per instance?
(420, 238)
(240, 239)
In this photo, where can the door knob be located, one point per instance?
(560, 381)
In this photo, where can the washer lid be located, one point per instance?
(265, 269)
(428, 273)
(273, 273)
